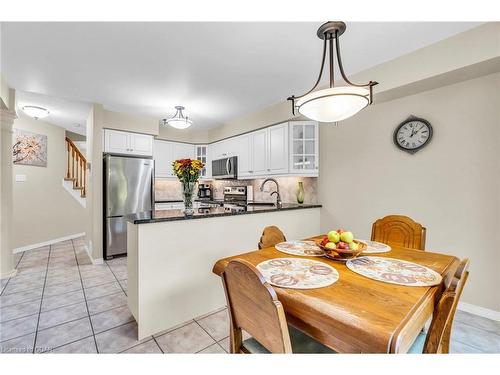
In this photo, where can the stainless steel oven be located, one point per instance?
(225, 169)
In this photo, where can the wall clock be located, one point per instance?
(413, 134)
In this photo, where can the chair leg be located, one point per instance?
(235, 341)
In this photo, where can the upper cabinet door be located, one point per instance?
(259, 149)
(182, 151)
(141, 144)
(201, 154)
(278, 149)
(163, 159)
(244, 154)
(116, 142)
(304, 143)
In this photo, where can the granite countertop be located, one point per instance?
(202, 213)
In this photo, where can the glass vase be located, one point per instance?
(300, 193)
(187, 193)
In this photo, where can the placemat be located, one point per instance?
(301, 248)
(394, 271)
(376, 247)
(297, 273)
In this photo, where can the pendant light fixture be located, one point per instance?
(178, 121)
(334, 103)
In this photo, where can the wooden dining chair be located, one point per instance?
(271, 236)
(437, 339)
(399, 230)
(254, 307)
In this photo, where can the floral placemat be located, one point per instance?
(375, 247)
(394, 271)
(297, 273)
(301, 248)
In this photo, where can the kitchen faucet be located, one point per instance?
(277, 192)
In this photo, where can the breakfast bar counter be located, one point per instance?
(170, 257)
(202, 213)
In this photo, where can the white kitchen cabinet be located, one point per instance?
(163, 159)
(119, 142)
(244, 154)
(304, 148)
(259, 152)
(277, 154)
(166, 152)
(201, 154)
(182, 151)
(141, 144)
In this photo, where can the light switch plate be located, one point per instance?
(20, 177)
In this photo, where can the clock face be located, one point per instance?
(413, 134)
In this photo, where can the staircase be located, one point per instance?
(77, 169)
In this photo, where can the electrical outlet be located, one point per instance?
(21, 178)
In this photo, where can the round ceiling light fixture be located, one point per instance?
(178, 121)
(334, 103)
(35, 112)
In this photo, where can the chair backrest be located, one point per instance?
(399, 230)
(271, 236)
(254, 307)
(438, 336)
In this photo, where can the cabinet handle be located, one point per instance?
(268, 170)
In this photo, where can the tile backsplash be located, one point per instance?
(168, 189)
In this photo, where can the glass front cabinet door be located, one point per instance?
(304, 152)
(202, 155)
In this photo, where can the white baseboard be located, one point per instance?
(88, 249)
(46, 243)
(478, 310)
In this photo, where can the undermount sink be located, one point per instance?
(260, 204)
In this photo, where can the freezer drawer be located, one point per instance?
(116, 236)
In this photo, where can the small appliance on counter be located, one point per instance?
(205, 192)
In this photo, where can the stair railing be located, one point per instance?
(76, 168)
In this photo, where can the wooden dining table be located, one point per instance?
(358, 314)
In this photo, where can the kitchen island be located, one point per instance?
(170, 257)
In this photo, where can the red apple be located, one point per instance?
(340, 231)
(342, 245)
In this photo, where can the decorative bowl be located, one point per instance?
(343, 254)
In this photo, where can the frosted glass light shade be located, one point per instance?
(333, 104)
(35, 112)
(179, 123)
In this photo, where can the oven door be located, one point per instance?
(225, 169)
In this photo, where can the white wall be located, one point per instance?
(452, 186)
(43, 209)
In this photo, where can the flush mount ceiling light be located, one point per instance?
(334, 103)
(178, 121)
(35, 112)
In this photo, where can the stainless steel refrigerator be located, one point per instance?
(128, 189)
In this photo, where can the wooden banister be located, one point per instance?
(76, 168)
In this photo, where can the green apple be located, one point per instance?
(353, 246)
(333, 236)
(331, 245)
(347, 237)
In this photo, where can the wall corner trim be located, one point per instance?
(46, 243)
(478, 310)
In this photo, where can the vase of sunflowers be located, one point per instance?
(188, 172)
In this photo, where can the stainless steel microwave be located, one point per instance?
(225, 169)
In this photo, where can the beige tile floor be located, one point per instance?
(59, 302)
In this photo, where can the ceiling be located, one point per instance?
(69, 114)
(218, 71)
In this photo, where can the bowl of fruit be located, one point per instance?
(340, 245)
